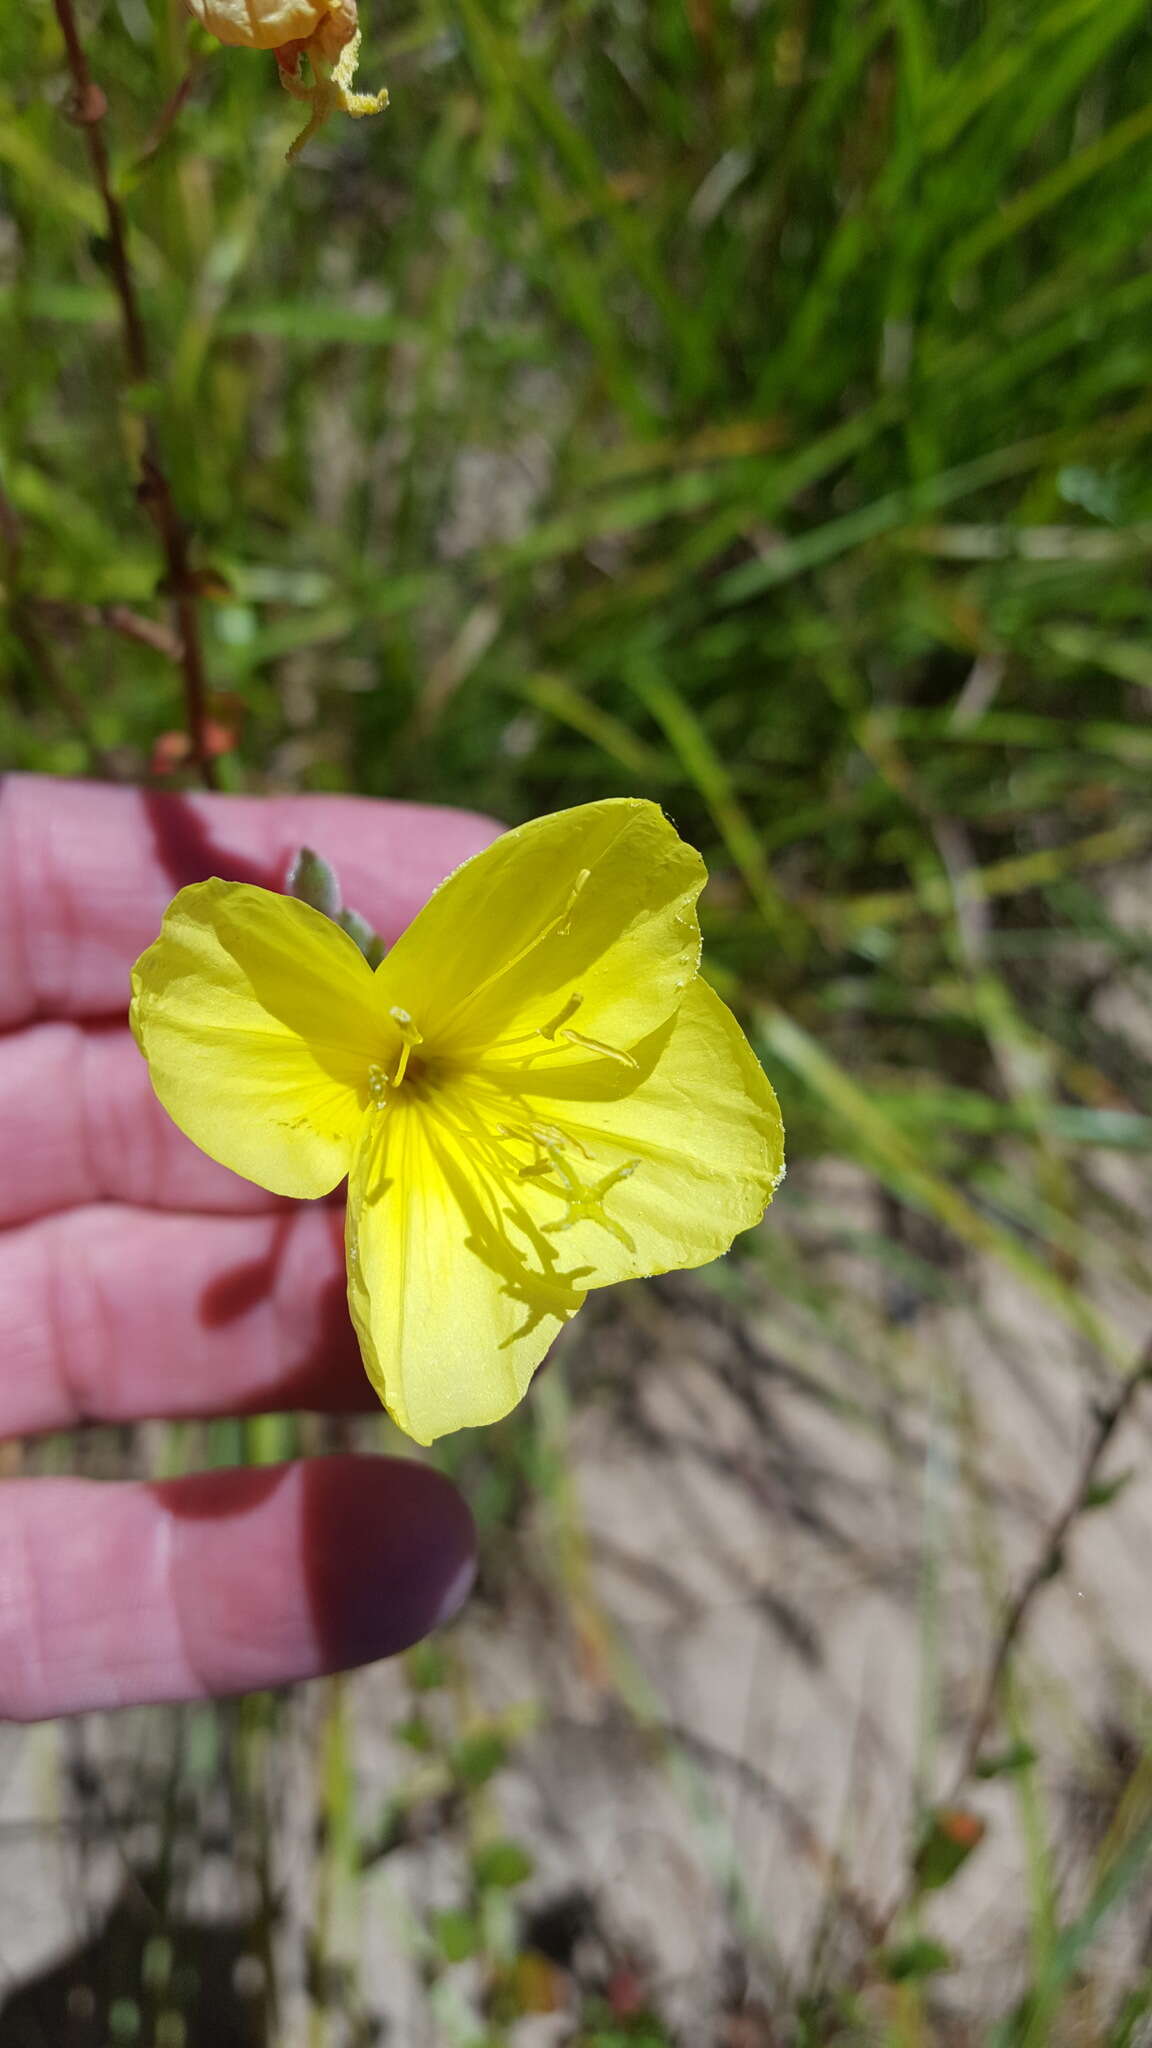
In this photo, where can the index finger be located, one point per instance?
(87, 869)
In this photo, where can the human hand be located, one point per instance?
(139, 1279)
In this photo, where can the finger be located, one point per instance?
(86, 871)
(112, 1594)
(81, 1124)
(109, 1314)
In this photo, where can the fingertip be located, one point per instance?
(314, 1567)
(392, 1555)
(222, 1582)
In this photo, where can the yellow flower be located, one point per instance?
(326, 32)
(534, 1094)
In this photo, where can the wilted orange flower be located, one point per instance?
(323, 33)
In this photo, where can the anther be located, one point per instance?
(378, 1085)
(562, 1016)
(558, 1028)
(608, 1052)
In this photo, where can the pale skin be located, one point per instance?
(139, 1279)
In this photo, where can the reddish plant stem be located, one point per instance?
(154, 491)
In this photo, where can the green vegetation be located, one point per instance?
(746, 405)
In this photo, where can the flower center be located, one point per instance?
(550, 1164)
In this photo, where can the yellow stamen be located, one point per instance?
(557, 1027)
(331, 89)
(410, 1039)
(608, 1052)
(562, 1016)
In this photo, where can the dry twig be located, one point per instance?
(1107, 1417)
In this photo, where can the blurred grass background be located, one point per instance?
(741, 404)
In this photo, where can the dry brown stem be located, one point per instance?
(1106, 1418)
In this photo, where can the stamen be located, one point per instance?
(331, 86)
(378, 1086)
(410, 1039)
(544, 1140)
(558, 1028)
(541, 1030)
(539, 1164)
(608, 1052)
(562, 1016)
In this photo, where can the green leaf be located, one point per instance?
(456, 1934)
(417, 1733)
(1103, 1491)
(1019, 1756)
(427, 1667)
(500, 1865)
(479, 1756)
(948, 1840)
(914, 1959)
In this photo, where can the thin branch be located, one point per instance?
(803, 1836)
(168, 116)
(116, 618)
(157, 500)
(1107, 1418)
(88, 109)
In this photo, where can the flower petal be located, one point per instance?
(454, 1302)
(692, 1154)
(575, 931)
(258, 1020)
(260, 24)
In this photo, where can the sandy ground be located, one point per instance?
(779, 1563)
(752, 1624)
